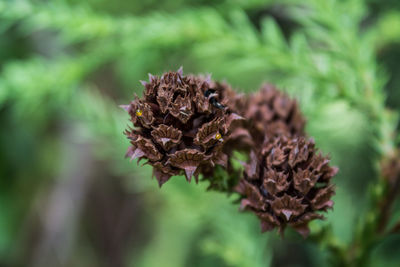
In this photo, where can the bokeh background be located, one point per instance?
(69, 198)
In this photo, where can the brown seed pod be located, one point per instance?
(287, 183)
(178, 127)
(270, 113)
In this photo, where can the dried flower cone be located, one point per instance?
(287, 183)
(272, 113)
(177, 128)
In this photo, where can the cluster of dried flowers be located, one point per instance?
(189, 124)
(177, 128)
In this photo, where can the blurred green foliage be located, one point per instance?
(66, 65)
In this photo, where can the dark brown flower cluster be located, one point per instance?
(180, 125)
(189, 124)
(286, 183)
(270, 113)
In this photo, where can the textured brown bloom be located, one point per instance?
(180, 128)
(286, 183)
(270, 113)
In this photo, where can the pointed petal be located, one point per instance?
(161, 177)
(164, 140)
(189, 171)
(180, 70)
(287, 214)
(151, 77)
(208, 79)
(129, 153)
(125, 107)
(233, 117)
(137, 153)
(244, 203)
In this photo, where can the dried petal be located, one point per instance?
(163, 172)
(322, 200)
(161, 176)
(141, 113)
(275, 182)
(209, 134)
(188, 160)
(254, 197)
(202, 103)
(182, 109)
(276, 157)
(231, 121)
(180, 70)
(288, 206)
(301, 151)
(166, 136)
(304, 180)
(252, 169)
(268, 222)
(144, 147)
(164, 98)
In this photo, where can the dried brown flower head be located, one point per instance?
(271, 113)
(180, 125)
(287, 183)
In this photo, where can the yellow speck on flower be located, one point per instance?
(139, 112)
(218, 136)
